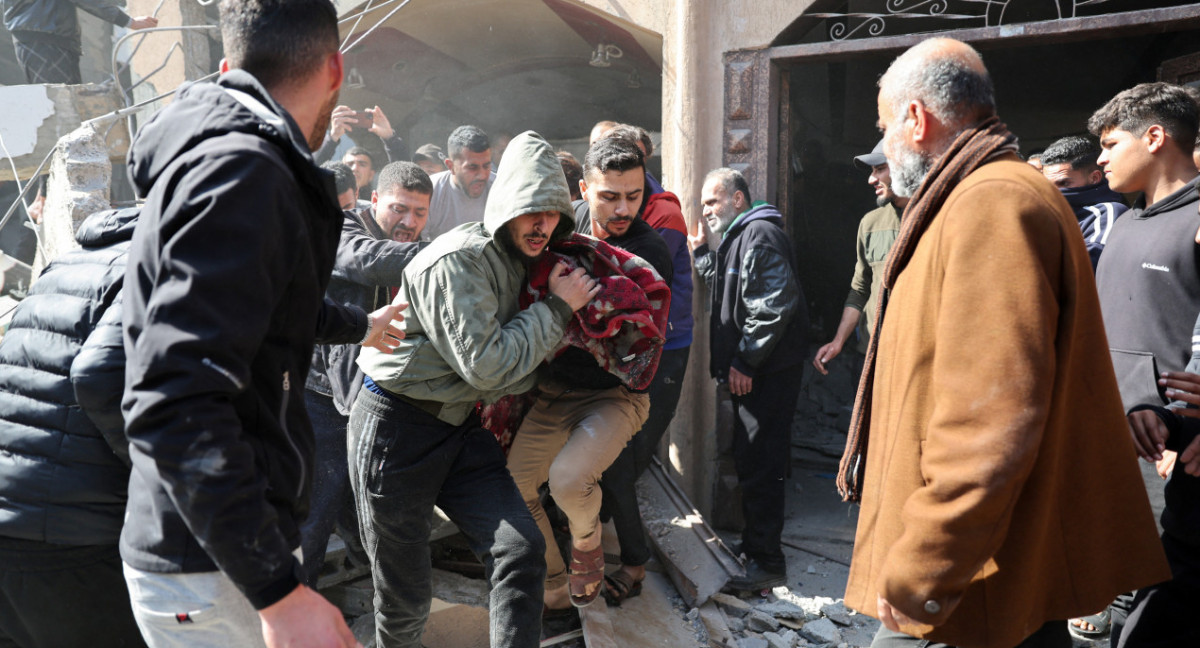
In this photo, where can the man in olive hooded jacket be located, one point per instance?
(415, 439)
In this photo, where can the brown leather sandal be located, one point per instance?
(585, 575)
(619, 586)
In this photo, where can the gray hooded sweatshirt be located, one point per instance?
(466, 338)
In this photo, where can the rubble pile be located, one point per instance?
(784, 620)
(823, 410)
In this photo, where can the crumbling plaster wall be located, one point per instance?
(80, 176)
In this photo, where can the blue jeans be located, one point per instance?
(332, 503)
(404, 462)
(618, 484)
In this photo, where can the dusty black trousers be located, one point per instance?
(59, 595)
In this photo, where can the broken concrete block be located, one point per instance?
(782, 610)
(777, 641)
(80, 174)
(822, 631)
(753, 642)
(837, 612)
(731, 605)
(761, 622)
(811, 605)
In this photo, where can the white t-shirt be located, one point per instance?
(450, 206)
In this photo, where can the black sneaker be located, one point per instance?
(758, 577)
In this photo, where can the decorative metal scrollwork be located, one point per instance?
(984, 13)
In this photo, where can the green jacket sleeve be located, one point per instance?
(460, 312)
(860, 284)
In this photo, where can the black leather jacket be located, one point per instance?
(759, 317)
(367, 265)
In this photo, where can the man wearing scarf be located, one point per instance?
(990, 406)
(1070, 164)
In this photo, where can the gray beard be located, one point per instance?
(909, 171)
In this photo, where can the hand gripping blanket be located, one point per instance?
(622, 327)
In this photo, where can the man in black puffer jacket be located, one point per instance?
(64, 460)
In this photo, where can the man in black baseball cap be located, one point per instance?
(876, 233)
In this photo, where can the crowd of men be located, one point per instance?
(267, 350)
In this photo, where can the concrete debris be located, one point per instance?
(753, 642)
(822, 631)
(731, 605)
(784, 610)
(777, 641)
(811, 605)
(798, 621)
(761, 621)
(837, 612)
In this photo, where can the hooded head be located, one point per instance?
(529, 204)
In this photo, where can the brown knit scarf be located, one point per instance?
(970, 150)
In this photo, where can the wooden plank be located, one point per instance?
(597, 628)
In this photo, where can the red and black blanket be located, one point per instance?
(622, 327)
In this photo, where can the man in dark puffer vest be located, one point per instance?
(64, 459)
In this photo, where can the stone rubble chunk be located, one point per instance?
(753, 642)
(731, 605)
(782, 610)
(811, 605)
(736, 625)
(761, 622)
(776, 641)
(838, 613)
(822, 631)
(791, 637)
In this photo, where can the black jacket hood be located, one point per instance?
(107, 227)
(236, 102)
(1187, 194)
(760, 211)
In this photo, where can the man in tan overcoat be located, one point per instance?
(1000, 494)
